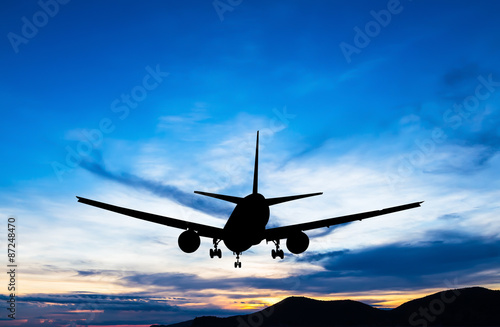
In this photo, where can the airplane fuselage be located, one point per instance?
(247, 223)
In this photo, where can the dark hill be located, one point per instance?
(474, 306)
(300, 311)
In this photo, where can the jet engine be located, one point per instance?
(297, 243)
(189, 241)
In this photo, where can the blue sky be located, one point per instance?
(139, 104)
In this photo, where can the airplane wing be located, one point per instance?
(203, 230)
(278, 233)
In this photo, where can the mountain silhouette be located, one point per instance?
(475, 306)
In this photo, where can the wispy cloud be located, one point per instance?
(163, 190)
(446, 255)
(107, 309)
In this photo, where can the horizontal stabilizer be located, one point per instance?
(273, 201)
(228, 198)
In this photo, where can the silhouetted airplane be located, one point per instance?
(246, 225)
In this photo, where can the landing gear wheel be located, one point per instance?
(237, 264)
(215, 252)
(278, 252)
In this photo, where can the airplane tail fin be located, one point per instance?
(269, 202)
(256, 167)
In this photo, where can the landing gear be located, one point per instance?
(237, 264)
(278, 252)
(215, 252)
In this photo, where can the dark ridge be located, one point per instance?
(300, 311)
(187, 323)
(475, 306)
